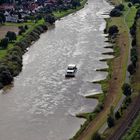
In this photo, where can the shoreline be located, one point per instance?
(106, 84)
(24, 42)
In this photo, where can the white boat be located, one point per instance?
(71, 70)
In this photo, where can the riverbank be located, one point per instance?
(117, 75)
(61, 14)
(132, 111)
(16, 49)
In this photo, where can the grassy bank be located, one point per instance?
(129, 15)
(111, 86)
(4, 52)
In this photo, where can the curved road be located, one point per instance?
(42, 104)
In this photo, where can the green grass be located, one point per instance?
(129, 18)
(134, 132)
(19, 24)
(19, 37)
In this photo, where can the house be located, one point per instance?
(10, 18)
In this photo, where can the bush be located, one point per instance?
(50, 18)
(110, 121)
(113, 30)
(5, 75)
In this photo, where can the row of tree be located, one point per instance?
(11, 65)
(133, 56)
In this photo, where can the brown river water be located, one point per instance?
(41, 104)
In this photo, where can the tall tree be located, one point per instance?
(11, 35)
(126, 89)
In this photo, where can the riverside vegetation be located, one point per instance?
(13, 47)
(132, 22)
(122, 16)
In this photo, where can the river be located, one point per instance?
(41, 104)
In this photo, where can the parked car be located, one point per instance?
(71, 70)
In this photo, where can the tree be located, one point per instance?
(117, 115)
(113, 30)
(75, 3)
(131, 69)
(50, 18)
(129, 5)
(126, 89)
(110, 121)
(96, 136)
(5, 75)
(11, 35)
(4, 43)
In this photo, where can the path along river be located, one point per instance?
(42, 104)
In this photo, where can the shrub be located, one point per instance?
(126, 89)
